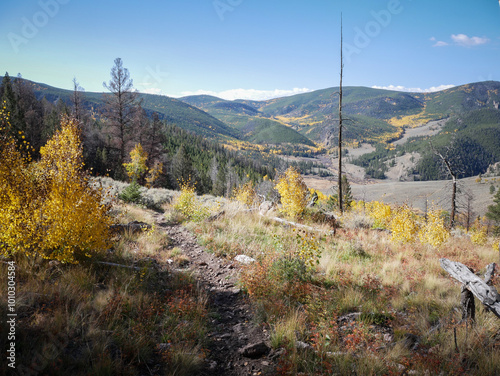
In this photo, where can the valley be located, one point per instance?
(387, 135)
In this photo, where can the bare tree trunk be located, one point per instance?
(341, 207)
(453, 201)
(453, 175)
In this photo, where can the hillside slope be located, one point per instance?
(254, 126)
(172, 110)
(375, 115)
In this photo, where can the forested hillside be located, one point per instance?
(35, 112)
(300, 125)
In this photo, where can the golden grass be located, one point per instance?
(363, 270)
(101, 319)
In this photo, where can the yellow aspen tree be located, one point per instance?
(76, 219)
(404, 225)
(137, 166)
(293, 192)
(154, 173)
(434, 231)
(19, 204)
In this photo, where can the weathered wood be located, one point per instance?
(490, 271)
(488, 295)
(467, 304)
(313, 200)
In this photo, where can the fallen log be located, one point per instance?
(486, 293)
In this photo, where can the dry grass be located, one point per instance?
(400, 290)
(100, 319)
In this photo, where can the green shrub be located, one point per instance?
(132, 193)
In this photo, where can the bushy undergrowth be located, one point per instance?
(188, 204)
(150, 198)
(396, 290)
(96, 319)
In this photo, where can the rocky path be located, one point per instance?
(238, 346)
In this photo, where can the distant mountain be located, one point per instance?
(374, 115)
(253, 125)
(172, 110)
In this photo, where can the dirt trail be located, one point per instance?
(232, 324)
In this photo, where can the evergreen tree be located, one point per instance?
(346, 195)
(219, 187)
(30, 113)
(16, 119)
(182, 167)
(154, 139)
(494, 210)
(346, 192)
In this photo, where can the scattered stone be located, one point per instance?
(388, 337)
(411, 341)
(238, 328)
(255, 351)
(349, 317)
(245, 260)
(302, 345)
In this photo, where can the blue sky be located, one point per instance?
(251, 48)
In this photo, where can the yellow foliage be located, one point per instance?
(479, 232)
(434, 231)
(479, 237)
(154, 173)
(19, 204)
(380, 212)
(188, 204)
(293, 192)
(404, 225)
(496, 244)
(308, 248)
(137, 167)
(50, 207)
(322, 198)
(245, 194)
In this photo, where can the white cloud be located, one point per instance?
(251, 94)
(414, 89)
(464, 40)
(440, 43)
(460, 40)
